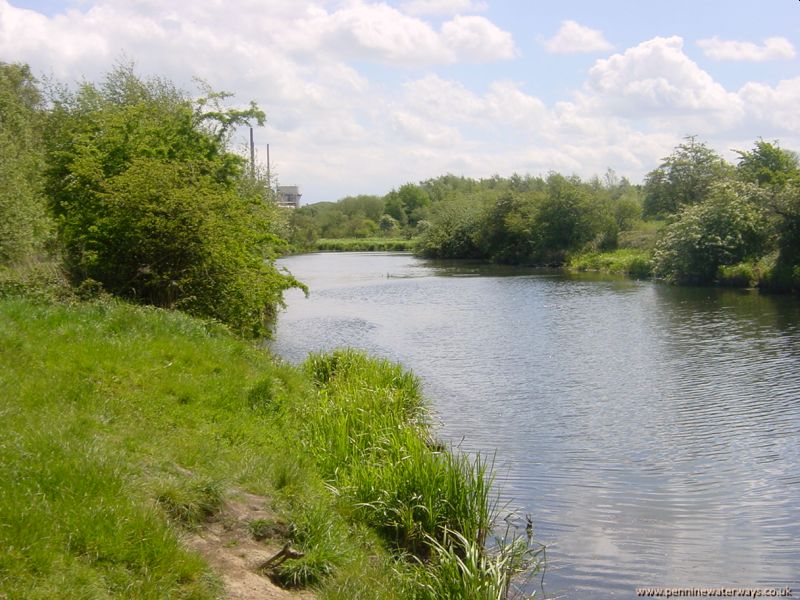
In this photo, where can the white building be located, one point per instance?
(289, 196)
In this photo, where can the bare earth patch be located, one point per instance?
(229, 546)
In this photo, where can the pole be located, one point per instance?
(269, 180)
(252, 156)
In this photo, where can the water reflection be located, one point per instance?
(653, 432)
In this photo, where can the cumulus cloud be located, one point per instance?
(336, 129)
(773, 48)
(657, 79)
(774, 106)
(574, 38)
(478, 39)
(376, 32)
(442, 7)
(503, 107)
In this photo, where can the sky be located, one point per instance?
(363, 96)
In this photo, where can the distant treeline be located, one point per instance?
(696, 219)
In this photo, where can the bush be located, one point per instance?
(728, 228)
(24, 225)
(149, 202)
(741, 275)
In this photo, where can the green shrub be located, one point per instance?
(149, 202)
(741, 275)
(728, 228)
(24, 224)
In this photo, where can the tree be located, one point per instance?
(388, 224)
(768, 164)
(150, 203)
(507, 229)
(684, 178)
(454, 231)
(24, 224)
(566, 219)
(393, 206)
(730, 227)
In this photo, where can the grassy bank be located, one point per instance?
(628, 261)
(125, 429)
(364, 245)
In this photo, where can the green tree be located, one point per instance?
(685, 177)
(566, 219)
(151, 203)
(507, 229)
(768, 164)
(728, 228)
(24, 224)
(454, 232)
(388, 224)
(393, 206)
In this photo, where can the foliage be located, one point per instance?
(151, 204)
(381, 244)
(350, 217)
(768, 164)
(368, 434)
(785, 275)
(685, 177)
(566, 219)
(728, 228)
(453, 232)
(39, 280)
(630, 261)
(24, 224)
(507, 228)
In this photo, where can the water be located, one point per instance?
(652, 432)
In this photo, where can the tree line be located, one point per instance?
(695, 219)
(131, 188)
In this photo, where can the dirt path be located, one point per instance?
(229, 546)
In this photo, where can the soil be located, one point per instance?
(229, 544)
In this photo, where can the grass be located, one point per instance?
(370, 443)
(123, 427)
(629, 261)
(378, 244)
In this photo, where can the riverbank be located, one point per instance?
(131, 432)
(364, 245)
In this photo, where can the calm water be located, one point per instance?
(652, 432)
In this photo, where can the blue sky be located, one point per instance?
(363, 96)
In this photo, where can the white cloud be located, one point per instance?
(657, 80)
(503, 108)
(335, 128)
(574, 38)
(775, 107)
(376, 32)
(419, 130)
(773, 48)
(442, 7)
(478, 39)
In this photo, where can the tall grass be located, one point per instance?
(364, 245)
(368, 431)
(629, 261)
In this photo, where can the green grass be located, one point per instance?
(629, 261)
(369, 441)
(364, 245)
(123, 427)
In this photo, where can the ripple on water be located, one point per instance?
(653, 432)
